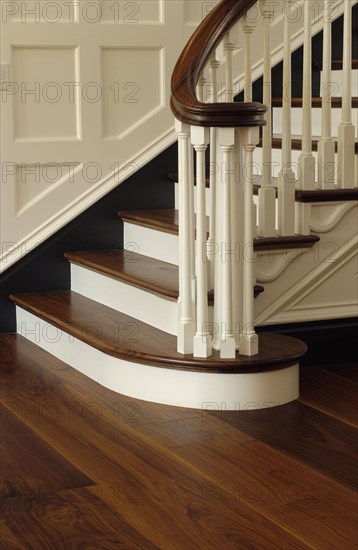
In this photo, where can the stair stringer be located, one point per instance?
(316, 284)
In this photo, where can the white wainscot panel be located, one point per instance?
(34, 181)
(39, 11)
(46, 103)
(195, 12)
(132, 13)
(132, 88)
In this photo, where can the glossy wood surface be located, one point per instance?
(336, 64)
(144, 272)
(167, 221)
(169, 478)
(127, 338)
(201, 45)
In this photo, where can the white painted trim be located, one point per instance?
(141, 304)
(9, 256)
(151, 242)
(307, 284)
(333, 219)
(198, 390)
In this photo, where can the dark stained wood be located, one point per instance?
(177, 478)
(44, 470)
(68, 518)
(135, 269)
(140, 486)
(201, 45)
(144, 272)
(336, 64)
(347, 371)
(327, 195)
(306, 433)
(167, 221)
(316, 102)
(318, 387)
(7, 540)
(127, 338)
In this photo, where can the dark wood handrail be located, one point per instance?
(184, 103)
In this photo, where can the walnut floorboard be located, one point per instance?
(318, 387)
(125, 337)
(167, 221)
(166, 477)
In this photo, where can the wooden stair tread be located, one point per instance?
(327, 195)
(336, 102)
(144, 272)
(124, 337)
(167, 221)
(336, 64)
(136, 269)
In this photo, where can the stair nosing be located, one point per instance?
(241, 364)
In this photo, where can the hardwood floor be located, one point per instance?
(83, 467)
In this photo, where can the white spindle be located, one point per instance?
(326, 145)
(346, 128)
(230, 45)
(306, 160)
(247, 28)
(202, 340)
(200, 87)
(267, 193)
(248, 337)
(186, 325)
(225, 316)
(214, 64)
(286, 177)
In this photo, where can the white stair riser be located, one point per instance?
(336, 84)
(205, 391)
(151, 242)
(296, 121)
(144, 306)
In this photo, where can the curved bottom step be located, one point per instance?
(185, 388)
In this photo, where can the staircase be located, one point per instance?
(132, 315)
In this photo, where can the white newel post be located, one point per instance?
(346, 128)
(267, 193)
(186, 324)
(286, 177)
(202, 339)
(249, 138)
(326, 145)
(225, 337)
(306, 160)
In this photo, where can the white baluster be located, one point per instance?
(248, 337)
(230, 45)
(326, 145)
(247, 28)
(267, 193)
(214, 64)
(200, 87)
(346, 128)
(186, 325)
(306, 160)
(202, 340)
(225, 316)
(286, 177)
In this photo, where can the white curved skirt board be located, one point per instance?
(196, 390)
(154, 310)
